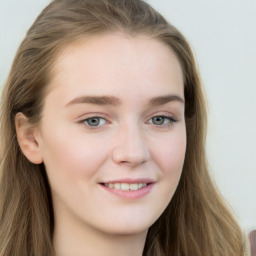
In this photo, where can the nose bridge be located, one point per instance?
(131, 147)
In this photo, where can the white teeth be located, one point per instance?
(110, 185)
(126, 186)
(117, 186)
(134, 186)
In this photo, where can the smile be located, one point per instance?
(125, 186)
(128, 189)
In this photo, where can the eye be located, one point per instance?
(162, 120)
(95, 121)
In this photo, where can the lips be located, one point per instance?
(126, 186)
(129, 188)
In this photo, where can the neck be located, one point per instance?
(83, 240)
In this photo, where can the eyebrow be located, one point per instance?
(161, 100)
(114, 101)
(97, 100)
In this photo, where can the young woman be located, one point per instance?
(103, 127)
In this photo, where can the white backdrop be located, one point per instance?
(222, 34)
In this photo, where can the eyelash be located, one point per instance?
(86, 120)
(168, 121)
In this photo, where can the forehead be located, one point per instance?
(116, 60)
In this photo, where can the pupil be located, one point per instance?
(158, 120)
(93, 121)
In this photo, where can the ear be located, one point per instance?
(27, 138)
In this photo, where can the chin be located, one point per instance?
(128, 229)
(128, 232)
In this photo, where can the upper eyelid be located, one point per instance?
(162, 114)
(170, 118)
(92, 115)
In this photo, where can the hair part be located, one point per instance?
(196, 222)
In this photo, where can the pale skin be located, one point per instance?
(114, 112)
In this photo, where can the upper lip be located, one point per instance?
(130, 181)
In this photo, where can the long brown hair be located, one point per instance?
(196, 222)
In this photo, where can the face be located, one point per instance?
(112, 134)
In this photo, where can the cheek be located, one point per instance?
(170, 154)
(72, 157)
(169, 157)
(173, 157)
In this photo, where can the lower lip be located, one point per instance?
(130, 194)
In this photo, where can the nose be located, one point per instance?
(131, 148)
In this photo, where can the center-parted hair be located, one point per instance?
(195, 223)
